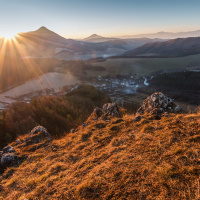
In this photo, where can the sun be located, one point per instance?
(8, 35)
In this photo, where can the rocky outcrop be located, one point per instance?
(109, 109)
(8, 149)
(157, 104)
(9, 156)
(9, 159)
(37, 135)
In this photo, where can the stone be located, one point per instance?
(38, 129)
(9, 159)
(37, 135)
(18, 141)
(1, 153)
(156, 105)
(72, 130)
(111, 109)
(97, 112)
(8, 149)
(177, 108)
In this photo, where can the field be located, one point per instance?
(49, 80)
(145, 66)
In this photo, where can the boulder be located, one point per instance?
(177, 109)
(157, 104)
(37, 135)
(97, 112)
(8, 149)
(9, 159)
(38, 129)
(72, 130)
(18, 142)
(111, 109)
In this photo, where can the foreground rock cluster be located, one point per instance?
(158, 104)
(9, 156)
(109, 109)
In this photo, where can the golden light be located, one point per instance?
(8, 35)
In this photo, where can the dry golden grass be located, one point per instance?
(150, 159)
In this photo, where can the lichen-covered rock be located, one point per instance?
(72, 130)
(37, 135)
(157, 104)
(98, 112)
(177, 109)
(18, 142)
(9, 159)
(38, 129)
(111, 109)
(8, 149)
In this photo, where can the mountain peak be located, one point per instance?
(43, 29)
(93, 36)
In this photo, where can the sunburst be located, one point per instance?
(8, 35)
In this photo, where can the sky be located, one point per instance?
(81, 18)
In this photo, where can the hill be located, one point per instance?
(171, 48)
(166, 35)
(97, 38)
(44, 42)
(109, 157)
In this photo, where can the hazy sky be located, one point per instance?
(81, 18)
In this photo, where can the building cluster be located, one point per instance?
(115, 83)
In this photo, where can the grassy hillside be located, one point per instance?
(145, 66)
(150, 159)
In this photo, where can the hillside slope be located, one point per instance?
(176, 47)
(111, 158)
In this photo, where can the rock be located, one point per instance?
(8, 149)
(37, 135)
(156, 105)
(72, 130)
(97, 112)
(111, 109)
(9, 159)
(0, 178)
(1, 153)
(38, 129)
(177, 108)
(1, 188)
(18, 141)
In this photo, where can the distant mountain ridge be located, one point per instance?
(165, 35)
(175, 47)
(97, 38)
